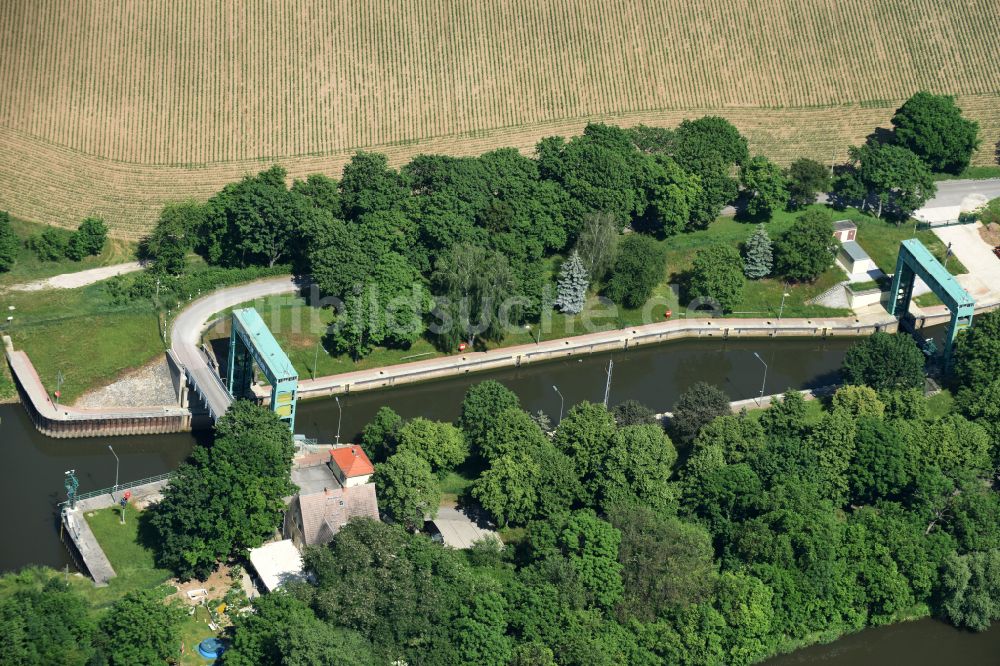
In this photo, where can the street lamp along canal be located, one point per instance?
(117, 465)
(764, 382)
(561, 403)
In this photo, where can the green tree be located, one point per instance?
(969, 588)
(283, 630)
(510, 431)
(765, 183)
(387, 313)
(368, 185)
(88, 240)
(933, 128)
(322, 191)
(717, 273)
(633, 412)
(49, 245)
(509, 488)
(977, 353)
(227, 497)
(481, 409)
(140, 628)
(42, 620)
(880, 468)
(584, 435)
(380, 436)
(8, 243)
(474, 287)
(758, 254)
(173, 237)
(858, 401)
(696, 407)
(671, 195)
(808, 248)
(636, 468)
(806, 179)
(709, 148)
(893, 177)
(589, 545)
(746, 604)
(638, 268)
(441, 444)
(597, 244)
(572, 286)
(666, 562)
(407, 489)
(254, 221)
(885, 362)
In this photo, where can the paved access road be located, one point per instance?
(955, 192)
(983, 279)
(185, 334)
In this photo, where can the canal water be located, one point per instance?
(32, 466)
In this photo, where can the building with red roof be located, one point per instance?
(351, 466)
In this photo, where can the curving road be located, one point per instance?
(185, 335)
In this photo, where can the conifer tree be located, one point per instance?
(572, 287)
(759, 254)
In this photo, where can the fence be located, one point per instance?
(121, 486)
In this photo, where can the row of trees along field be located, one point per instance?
(444, 231)
(53, 244)
(724, 539)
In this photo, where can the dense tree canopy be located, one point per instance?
(806, 178)
(637, 270)
(889, 178)
(977, 353)
(8, 243)
(933, 128)
(885, 361)
(765, 185)
(228, 496)
(808, 247)
(717, 274)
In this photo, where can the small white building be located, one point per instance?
(277, 563)
(855, 260)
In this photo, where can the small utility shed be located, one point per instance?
(845, 230)
(277, 563)
(855, 259)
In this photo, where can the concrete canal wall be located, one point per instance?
(61, 421)
(605, 341)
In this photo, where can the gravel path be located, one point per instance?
(149, 386)
(79, 278)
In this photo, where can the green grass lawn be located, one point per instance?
(79, 333)
(132, 561)
(136, 570)
(940, 404)
(881, 239)
(29, 267)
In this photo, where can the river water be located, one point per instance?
(32, 466)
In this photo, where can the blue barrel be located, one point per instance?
(210, 648)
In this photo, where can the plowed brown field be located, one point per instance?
(112, 108)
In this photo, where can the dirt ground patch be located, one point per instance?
(991, 234)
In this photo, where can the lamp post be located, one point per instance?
(763, 383)
(117, 465)
(782, 307)
(316, 358)
(561, 402)
(340, 416)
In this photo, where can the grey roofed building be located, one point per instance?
(854, 251)
(323, 505)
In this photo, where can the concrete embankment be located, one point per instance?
(605, 341)
(62, 421)
(81, 538)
